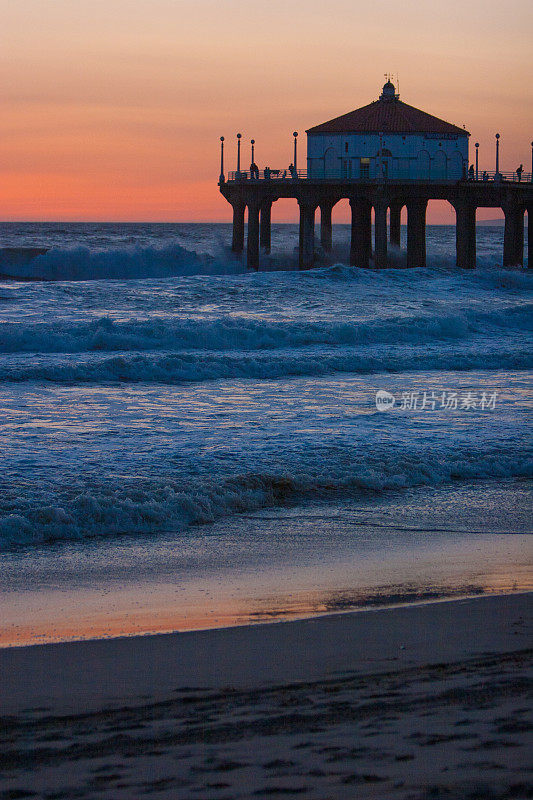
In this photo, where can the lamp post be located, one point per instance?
(477, 160)
(295, 134)
(222, 179)
(253, 149)
(497, 155)
(239, 135)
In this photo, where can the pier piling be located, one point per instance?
(326, 236)
(361, 236)
(265, 226)
(529, 236)
(395, 223)
(465, 234)
(380, 234)
(513, 235)
(253, 235)
(307, 234)
(237, 244)
(416, 233)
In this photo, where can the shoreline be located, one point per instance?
(297, 650)
(276, 620)
(279, 564)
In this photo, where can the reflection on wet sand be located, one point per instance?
(353, 600)
(245, 610)
(274, 565)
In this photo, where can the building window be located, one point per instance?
(346, 147)
(364, 169)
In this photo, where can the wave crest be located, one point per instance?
(242, 332)
(84, 263)
(151, 505)
(191, 367)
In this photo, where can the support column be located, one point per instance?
(395, 224)
(237, 244)
(465, 234)
(380, 234)
(307, 235)
(513, 236)
(416, 233)
(265, 226)
(361, 241)
(326, 236)
(253, 236)
(529, 236)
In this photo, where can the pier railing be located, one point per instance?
(273, 175)
(287, 175)
(513, 177)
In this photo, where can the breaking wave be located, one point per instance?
(236, 332)
(144, 506)
(183, 321)
(204, 366)
(84, 263)
(171, 259)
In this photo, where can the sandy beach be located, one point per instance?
(266, 474)
(429, 700)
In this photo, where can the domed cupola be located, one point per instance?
(389, 92)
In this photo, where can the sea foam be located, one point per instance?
(145, 506)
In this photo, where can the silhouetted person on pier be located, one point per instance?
(292, 170)
(485, 176)
(267, 173)
(471, 172)
(519, 171)
(254, 170)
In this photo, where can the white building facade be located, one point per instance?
(387, 139)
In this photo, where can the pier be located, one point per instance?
(381, 158)
(387, 198)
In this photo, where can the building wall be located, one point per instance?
(412, 156)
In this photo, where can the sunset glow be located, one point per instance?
(113, 110)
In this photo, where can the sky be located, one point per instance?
(113, 109)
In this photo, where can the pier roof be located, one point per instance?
(389, 114)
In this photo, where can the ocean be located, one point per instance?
(187, 444)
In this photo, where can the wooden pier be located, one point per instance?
(257, 193)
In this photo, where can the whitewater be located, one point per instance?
(151, 388)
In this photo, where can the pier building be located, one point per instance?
(382, 157)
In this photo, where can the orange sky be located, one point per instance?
(112, 109)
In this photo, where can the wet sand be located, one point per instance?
(276, 564)
(415, 702)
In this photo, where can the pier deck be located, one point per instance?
(386, 198)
